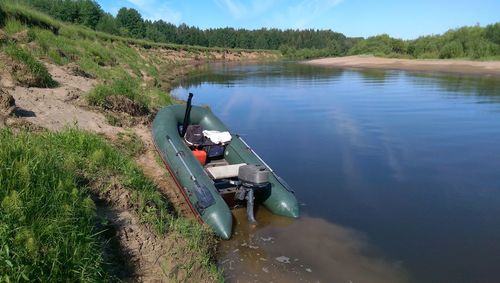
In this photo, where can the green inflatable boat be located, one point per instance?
(237, 177)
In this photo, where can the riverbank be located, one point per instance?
(489, 68)
(90, 98)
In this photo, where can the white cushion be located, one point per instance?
(217, 137)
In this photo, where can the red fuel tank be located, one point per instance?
(201, 155)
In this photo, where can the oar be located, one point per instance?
(186, 115)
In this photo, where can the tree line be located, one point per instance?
(466, 42)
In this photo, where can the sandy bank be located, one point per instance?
(490, 68)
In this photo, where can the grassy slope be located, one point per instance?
(47, 217)
(48, 226)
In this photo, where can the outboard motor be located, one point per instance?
(252, 177)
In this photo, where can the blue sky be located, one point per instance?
(403, 19)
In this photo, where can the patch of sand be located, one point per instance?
(490, 68)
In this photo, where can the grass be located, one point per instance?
(127, 87)
(48, 220)
(28, 16)
(12, 26)
(40, 76)
(151, 98)
(130, 143)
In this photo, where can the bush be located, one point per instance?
(493, 33)
(452, 49)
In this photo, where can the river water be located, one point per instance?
(397, 173)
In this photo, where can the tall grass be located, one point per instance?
(28, 16)
(127, 87)
(13, 26)
(148, 97)
(40, 74)
(47, 218)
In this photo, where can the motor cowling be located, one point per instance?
(253, 176)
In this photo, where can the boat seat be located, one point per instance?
(224, 172)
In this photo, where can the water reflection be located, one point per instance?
(408, 159)
(230, 74)
(461, 84)
(306, 250)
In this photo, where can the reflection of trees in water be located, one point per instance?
(458, 84)
(461, 84)
(374, 74)
(228, 74)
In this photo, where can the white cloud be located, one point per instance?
(240, 10)
(156, 10)
(277, 13)
(300, 15)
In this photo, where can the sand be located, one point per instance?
(483, 68)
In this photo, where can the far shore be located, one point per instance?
(490, 68)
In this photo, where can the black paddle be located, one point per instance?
(186, 115)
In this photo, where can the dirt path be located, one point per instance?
(491, 68)
(146, 257)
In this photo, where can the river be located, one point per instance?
(397, 173)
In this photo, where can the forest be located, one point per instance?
(473, 42)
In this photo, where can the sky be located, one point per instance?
(401, 19)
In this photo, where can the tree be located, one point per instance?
(452, 49)
(493, 33)
(90, 13)
(107, 24)
(131, 22)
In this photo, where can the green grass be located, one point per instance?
(127, 87)
(41, 77)
(28, 16)
(13, 26)
(151, 98)
(130, 143)
(47, 218)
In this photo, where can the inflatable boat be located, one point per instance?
(212, 184)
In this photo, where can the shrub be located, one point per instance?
(452, 49)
